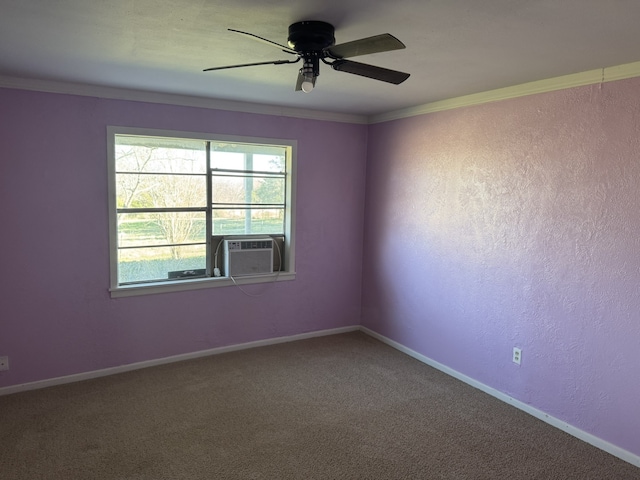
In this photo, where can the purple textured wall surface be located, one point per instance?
(56, 314)
(516, 223)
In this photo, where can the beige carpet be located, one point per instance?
(339, 407)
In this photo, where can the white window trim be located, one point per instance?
(198, 283)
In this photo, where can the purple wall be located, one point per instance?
(56, 315)
(508, 224)
(516, 223)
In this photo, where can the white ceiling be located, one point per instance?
(454, 47)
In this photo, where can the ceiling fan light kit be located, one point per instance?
(314, 42)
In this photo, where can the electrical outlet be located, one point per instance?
(4, 363)
(517, 355)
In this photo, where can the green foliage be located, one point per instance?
(269, 191)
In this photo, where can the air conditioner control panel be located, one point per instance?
(234, 245)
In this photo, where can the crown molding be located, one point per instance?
(590, 77)
(69, 88)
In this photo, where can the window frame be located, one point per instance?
(156, 287)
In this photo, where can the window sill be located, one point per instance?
(196, 284)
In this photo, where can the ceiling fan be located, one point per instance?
(314, 41)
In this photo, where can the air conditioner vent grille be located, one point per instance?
(248, 256)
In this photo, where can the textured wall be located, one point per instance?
(56, 315)
(516, 223)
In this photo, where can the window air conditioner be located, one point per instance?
(248, 256)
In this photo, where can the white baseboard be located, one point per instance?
(539, 414)
(50, 382)
(574, 431)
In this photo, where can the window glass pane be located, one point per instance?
(161, 228)
(227, 189)
(269, 163)
(160, 155)
(155, 263)
(247, 221)
(268, 190)
(260, 162)
(227, 160)
(248, 190)
(141, 190)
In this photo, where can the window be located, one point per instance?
(175, 197)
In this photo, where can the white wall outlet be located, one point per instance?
(4, 363)
(517, 355)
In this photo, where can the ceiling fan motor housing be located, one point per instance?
(310, 36)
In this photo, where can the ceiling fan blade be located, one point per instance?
(299, 82)
(268, 42)
(370, 71)
(379, 43)
(274, 62)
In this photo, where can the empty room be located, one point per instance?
(319, 240)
